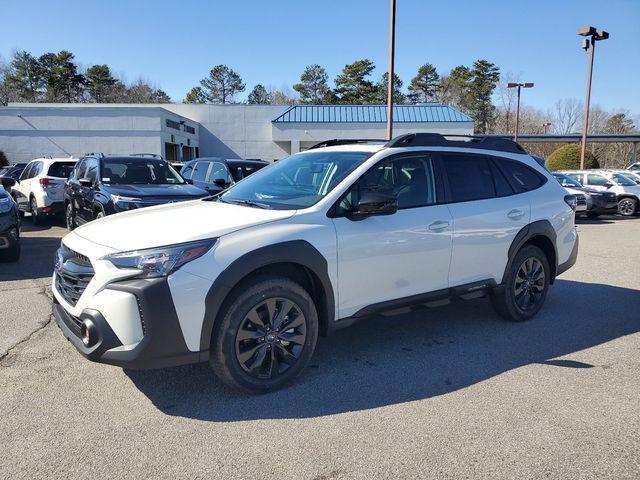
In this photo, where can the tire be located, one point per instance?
(12, 254)
(508, 299)
(627, 206)
(33, 209)
(99, 214)
(70, 217)
(243, 351)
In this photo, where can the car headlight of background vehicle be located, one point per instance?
(125, 202)
(6, 204)
(161, 261)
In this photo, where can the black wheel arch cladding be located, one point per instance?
(298, 252)
(540, 229)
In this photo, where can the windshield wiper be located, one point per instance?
(248, 203)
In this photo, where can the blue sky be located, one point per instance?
(175, 44)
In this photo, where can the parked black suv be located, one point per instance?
(216, 174)
(9, 224)
(102, 185)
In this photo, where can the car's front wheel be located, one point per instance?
(525, 285)
(70, 217)
(627, 206)
(266, 335)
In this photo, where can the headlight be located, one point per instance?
(6, 204)
(125, 202)
(161, 261)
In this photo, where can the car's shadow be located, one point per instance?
(391, 360)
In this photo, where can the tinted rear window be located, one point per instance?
(469, 178)
(61, 169)
(523, 177)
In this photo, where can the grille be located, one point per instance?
(73, 274)
(581, 199)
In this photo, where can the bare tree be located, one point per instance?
(505, 120)
(566, 115)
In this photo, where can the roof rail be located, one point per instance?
(94, 154)
(345, 141)
(438, 140)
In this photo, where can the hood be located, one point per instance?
(174, 223)
(574, 191)
(155, 191)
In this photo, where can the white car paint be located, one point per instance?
(380, 258)
(45, 195)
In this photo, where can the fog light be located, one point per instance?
(89, 333)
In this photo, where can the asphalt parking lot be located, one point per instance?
(452, 392)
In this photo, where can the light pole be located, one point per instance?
(518, 86)
(392, 41)
(545, 125)
(593, 37)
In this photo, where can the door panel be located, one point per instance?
(388, 257)
(482, 234)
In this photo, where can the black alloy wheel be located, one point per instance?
(271, 338)
(70, 217)
(529, 284)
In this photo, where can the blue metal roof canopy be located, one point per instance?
(370, 114)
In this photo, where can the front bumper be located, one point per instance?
(162, 344)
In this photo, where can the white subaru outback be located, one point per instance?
(249, 278)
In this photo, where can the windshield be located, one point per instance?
(138, 172)
(61, 169)
(567, 181)
(299, 181)
(622, 180)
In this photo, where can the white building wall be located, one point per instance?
(31, 130)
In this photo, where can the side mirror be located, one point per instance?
(608, 185)
(8, 182)
(85, 182)
(220, 182)
(375, 203)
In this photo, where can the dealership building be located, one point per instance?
(180, 132)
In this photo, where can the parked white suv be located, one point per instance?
(627, 190)
(249, 278)
(40, 188)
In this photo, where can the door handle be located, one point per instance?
(438, 226)
(515, 214)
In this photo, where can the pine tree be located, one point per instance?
(313, 86)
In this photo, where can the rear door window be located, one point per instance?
(521, 176)
(469, 177)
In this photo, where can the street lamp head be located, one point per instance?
(602, 35)
(587, 31)
(512, 85)
(527, 85)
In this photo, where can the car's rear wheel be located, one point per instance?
(627, 206)
(33, 209)
(525, 285)
(266, 335)
(70, 217)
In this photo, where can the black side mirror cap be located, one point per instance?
(220, 182)
(608, 185)
(375, 203)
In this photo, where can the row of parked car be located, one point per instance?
(99, 185)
